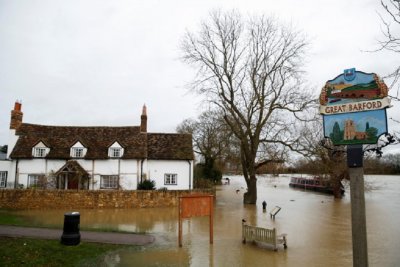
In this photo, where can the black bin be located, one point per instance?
(71, 235)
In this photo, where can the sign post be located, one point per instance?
(353, 106)
(196, 205)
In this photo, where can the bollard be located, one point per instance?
(264, 204)
(71, 235)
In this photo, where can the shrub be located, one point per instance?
(202, 183)
(207, 172)
(147, 185)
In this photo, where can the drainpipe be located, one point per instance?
(141, 170)
(16, 178)
(92, 174)
(119, 173)
(190, 175)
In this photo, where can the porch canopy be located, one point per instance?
(72, 176)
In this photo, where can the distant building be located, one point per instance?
(102, 157)
(350, 132)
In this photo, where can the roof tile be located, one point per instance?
(97, 140)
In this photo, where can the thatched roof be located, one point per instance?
(97, 140)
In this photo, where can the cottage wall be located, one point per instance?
(128, 171)
(12, 140)
(36, 166)
(129, 174)
(8, 166)
(182, 169)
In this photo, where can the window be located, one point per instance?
(115, 152)
(170, 178)
(77, 152)
(33, 180)
(3, 178)
(40, 150)
(109, 181)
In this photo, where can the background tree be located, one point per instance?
(337, 134)
(210, 140)
(371, 132)
(322, 157)
(250, 70)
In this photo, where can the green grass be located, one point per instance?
(36, 252)
(8, 218)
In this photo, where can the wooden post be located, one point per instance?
(211, 199)
(180, 223)
(358, 217)
(358, 220)
(196, 205)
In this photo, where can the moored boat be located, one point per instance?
(315, 183)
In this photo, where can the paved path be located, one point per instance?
(87, 236)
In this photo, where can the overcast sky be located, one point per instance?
(77, 62)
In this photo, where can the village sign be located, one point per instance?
(353, 106)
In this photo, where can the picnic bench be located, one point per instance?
(263, 235)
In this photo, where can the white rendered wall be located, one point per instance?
(12, 140)
(158, 168)
(129, 174)
(37, 166)
(128, 170)
(9, 167)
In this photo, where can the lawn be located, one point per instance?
(8, 218)
(35, 252)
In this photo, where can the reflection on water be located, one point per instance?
(318, 228)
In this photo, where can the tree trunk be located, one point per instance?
(250, 197)
(337, 187)
(336, 182)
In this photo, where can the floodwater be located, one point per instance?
(318, 228)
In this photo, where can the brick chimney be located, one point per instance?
(16, 116)
(143, 120)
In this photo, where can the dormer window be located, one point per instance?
(115, 150)
(40, 150)
(78, 150)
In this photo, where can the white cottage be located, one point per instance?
(71, 157)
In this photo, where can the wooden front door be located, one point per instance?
(72, 182)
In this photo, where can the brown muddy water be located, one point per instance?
(318, 228)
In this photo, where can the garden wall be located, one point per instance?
(91, 199)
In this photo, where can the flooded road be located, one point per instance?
(318, 228)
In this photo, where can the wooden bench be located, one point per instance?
(275, 211)
(263, 235)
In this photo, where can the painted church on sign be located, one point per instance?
(94, 157)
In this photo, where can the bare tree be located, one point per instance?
(210, 138)
(390, 30)
(250, 70)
